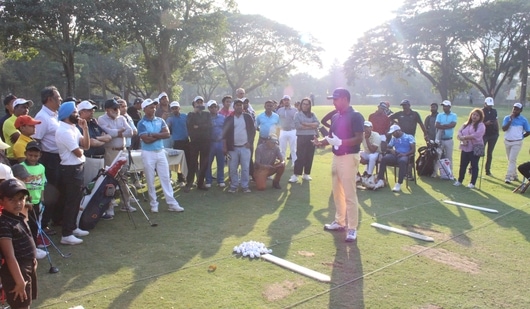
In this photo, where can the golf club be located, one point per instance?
(40, 233)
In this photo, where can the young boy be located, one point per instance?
(17, 247)
(26, 125)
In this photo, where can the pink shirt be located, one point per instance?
(467, 145)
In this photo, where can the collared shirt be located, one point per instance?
(403, 143)
(154, 125)
(203, 130)
(112, 126)
(345, 124)
(45, 131)
(517, 128)
(14, 227)
(218, 122)
(36, 182)
(67, 138)
(9, 129)
(2, 120)
(266, 155)
(300, 118)
(226, 113)
(267, 124)
(374, 139)
(380, 122)
(130, 122)
(94, 130)
(19, 148)
(443, 119)
(407, 122)
(177, 127)
(287, 118)
(467, 146)
(491, 114)
(240, 131)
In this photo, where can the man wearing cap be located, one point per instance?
(371, 148)
(25, 124)
(267, 123)
(408, 119)
(287, 128)
(445, 123)
(238, 137)
(401, 146)
(345, 137)
(269, 161)
(134, 112)
(216, 146)
(11, 134)
(492, 131)
(71, 144)
(176, 123)
(199, 125)
(380, 121)
(430, 122)
(515, 127)
(117, 127)
(163, 111)
(45, 134)
(8, 103)
(95, 155)
(152, 130)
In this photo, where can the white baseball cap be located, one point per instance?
(211, 102)
(368, 124)
(393, 128)
(446, 103)
(86, 105)
(489, 101)
(148, 102)
(174, 104)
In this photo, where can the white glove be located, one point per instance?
(334, 141)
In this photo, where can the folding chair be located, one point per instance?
(410, 167)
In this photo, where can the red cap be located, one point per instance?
(25, 120)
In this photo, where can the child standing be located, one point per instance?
(17, 246)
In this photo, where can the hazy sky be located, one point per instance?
(335, 23)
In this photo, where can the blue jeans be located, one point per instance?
(216, 151)
(239, 156)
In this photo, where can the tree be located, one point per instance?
(59, 28)
(256, 51)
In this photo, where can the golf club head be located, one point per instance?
(53, 270)
(66, 255)
(154, 224)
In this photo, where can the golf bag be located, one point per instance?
(97, 199)
(426, 162)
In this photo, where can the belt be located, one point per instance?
(446, 139)
(517, 140)
(96, 156)
(239, 146)
(118, 148)
(287, 130)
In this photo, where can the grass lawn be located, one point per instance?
(476, 261)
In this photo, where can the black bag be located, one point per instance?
(478, 150)
(98, 202)
(426, 160)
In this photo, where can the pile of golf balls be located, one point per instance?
(252, 249)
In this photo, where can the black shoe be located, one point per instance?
(49, 231)
(276, 186)
(488, 173)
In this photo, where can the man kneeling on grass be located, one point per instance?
(269, 161)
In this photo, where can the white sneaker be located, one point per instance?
(293, 179)
(270, 177)
(471, 186)
(307, 177)
(41, 254)
(182, 184)
(397, 187)
(457, 183)
(80, 233)
(222, 185)
(351, 236)
(379, 184)
(154, 209)
(138, 185)
(128, 208)
(176, 208)
(71, 240)
(334, 226)
(208, 185)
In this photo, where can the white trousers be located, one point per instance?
(372, 160)
(512, 151)
(288, 138)
(156, 160)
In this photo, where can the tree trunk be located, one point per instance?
(69, 72)
(524, 72)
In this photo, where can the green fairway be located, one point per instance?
(476, 260)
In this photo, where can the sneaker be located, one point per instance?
(113, 204)
(106, 216)
(138, 185)
(208, 185)
(154, 209)
(270, 177)
(351, 236)
(222, 185)
(334, 226)
(293, 179)
(80, 233)
(176, 208)
(232, 190)
(379, 184)
(42, 242)
(41, 254)
(471, 186)
(307, 177)
(182, 184)
(508, 180)
(71, 240)
(457, 183)
(246, 190)
(397, 187)
(128, 208)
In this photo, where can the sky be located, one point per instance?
(335, 23)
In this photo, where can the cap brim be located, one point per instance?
(330, 97)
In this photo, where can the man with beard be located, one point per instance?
(117, 127)
(199, 126)
(71, 144)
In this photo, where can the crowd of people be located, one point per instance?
(47, 161)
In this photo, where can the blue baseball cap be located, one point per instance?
(340, 93)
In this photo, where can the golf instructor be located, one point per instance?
(345, 136)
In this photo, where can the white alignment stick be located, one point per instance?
(471, 206)
(296, 268)
(402, 232)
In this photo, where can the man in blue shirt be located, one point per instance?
(515, 127)
(445, 123)
(179, 134)
(403, 146)
(216, 146)
(267, 122)
(152, 131)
